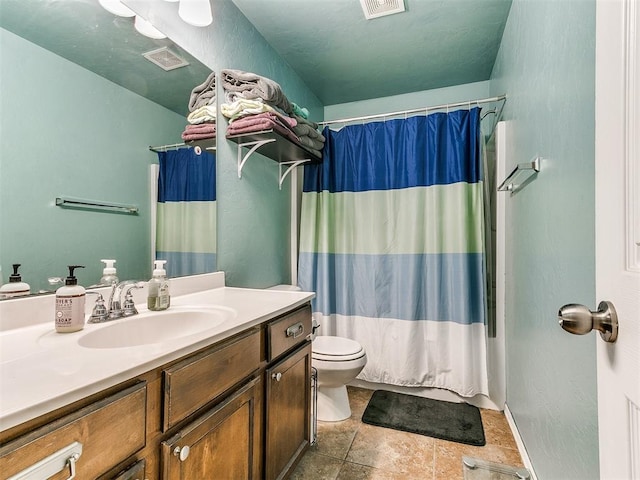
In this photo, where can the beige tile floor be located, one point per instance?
(352, 450)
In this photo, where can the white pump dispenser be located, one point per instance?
(108, 273)
(159, 298)
(16, 287)
(70, 301)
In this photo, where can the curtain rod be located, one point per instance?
(177, 146)
(164, 148)
(500, 98)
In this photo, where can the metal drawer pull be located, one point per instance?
(72, 465)
(295, 330)
(54, 463)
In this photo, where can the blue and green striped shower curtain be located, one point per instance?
(186, 215)
(392, 242)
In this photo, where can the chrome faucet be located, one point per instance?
(115, 307)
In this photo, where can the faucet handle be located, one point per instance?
(129, 306)
(99, 313)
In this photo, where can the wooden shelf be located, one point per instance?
(273, 145)
(281, 149)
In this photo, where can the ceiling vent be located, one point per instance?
(165, 59)
(380, 8)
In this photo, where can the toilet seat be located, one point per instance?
(336, 349)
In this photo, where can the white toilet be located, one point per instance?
(338, 361)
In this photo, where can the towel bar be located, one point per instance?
(520, 176)
(67, 202)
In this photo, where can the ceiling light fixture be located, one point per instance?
(147, 29)
(117, 8)
(195, 12)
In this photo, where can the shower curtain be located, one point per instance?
(186, 212)
(392, 242)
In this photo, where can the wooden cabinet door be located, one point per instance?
(224, 443)
(287, 407)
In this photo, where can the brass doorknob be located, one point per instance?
(579, 320)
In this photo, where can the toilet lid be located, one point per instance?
(336, 348)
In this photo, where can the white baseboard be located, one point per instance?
(521, 448)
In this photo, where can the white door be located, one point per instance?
(618, 233)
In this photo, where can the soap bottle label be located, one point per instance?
(70, 312)
(163, 296)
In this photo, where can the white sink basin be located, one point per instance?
(155, 327)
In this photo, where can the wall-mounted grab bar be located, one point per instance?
(66, 202)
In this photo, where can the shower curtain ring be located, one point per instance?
(197, 149)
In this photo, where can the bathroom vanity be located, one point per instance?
(232, 401)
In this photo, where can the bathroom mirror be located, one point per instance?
(67, 132)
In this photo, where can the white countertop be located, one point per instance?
(41, 370)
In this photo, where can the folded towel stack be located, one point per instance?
(202, 108)
(262, 121)
(199, 131)
(249, 85)
(203, 94)
(254, 103)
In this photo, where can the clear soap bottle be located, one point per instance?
(159, 298)
(108, 273)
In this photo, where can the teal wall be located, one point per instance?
(546, 65)
(253, 214)
(67, 131)
(438, 96)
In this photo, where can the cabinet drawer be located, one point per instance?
(110, 431)
(134, 472)
(194, 382)
(288, 331)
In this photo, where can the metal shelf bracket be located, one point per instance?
(254, 146)
(291, 165)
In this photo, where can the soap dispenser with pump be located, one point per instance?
(108, 273)
(158, 298)
(16, 287)
(70, 302)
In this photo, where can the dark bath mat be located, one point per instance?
(456, 422)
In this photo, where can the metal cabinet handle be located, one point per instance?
(579, 320)
(182, 452)
(276, 376)
(295, 330)
(72, 465)
(56, 462)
